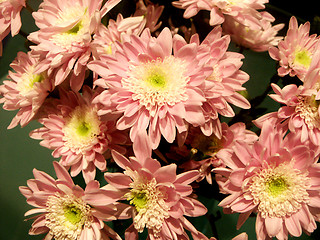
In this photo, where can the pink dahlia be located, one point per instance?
(154, 90)
(258, 40)
(208, 152)
(26, 89)
(223, 84)
(277, 178)
(244, 12)
(65, 35)
(78, 135)
(295, 51)
(10, 18)
(66, 211)
(159, 198)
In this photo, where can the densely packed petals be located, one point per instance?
(26, 89)
(63, 39)
(159, 198)
(78, 135)
(244, 12)
(64, 210)
(295, 52)
(258, 40)
(277, 178)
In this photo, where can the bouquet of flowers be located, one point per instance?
(144, 105)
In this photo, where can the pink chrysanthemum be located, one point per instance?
(65, 35)
(159, 198)
(66, 211)
(277, 178)
(10, 18)
(222, 86)
(213, 149)
(152, 88)
(78, 135)
(300, 113)
(295, 52)
(244, 12)
(26, 90)
(258, 40)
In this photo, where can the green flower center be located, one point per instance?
(157, 79)
(73, 214)
(139, 199)
(75, 29)
(303, 58)
(83, 128)
(277, 186)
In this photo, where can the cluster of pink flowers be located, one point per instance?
(120, 91)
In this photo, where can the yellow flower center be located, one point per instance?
(158, 82)
(66, 216)
(302, 58)
(27, 81)
(307, 108)
(82, 129)
(279, 191)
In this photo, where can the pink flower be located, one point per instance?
(154, 90)
(10, 18)
(244, 12)
(222, 86)
(258, 40)
(66, 211)
(278, 178)
(78, 135)
(159, 198)
(295, 52)
(300, 113)
(26, 90)
(65, 35)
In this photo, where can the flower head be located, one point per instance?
(63, 39)
(26, 90)
(278, 179)
(259, 40)
(66, 211)
(10, 18)
(244, 12)
(155, 90)
(78, 135)
(295, 51)
(158, 197)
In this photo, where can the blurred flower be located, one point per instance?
(258, 40)
(295, 52)
(159, 198)
(78, 135)
(26, 90)
(277, 177)
(244, 12)
(212, 151)
(65, 35)
(10, 18)
(66, 211)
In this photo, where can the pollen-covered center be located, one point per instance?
(279, 191)
(28, 80)
(66, 216)
(82, 129)
(149, 202)
(158, 82)
(307, 108)
(78, 32)
(302, 58)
